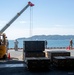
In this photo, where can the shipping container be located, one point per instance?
(52, 54)
(38, 46)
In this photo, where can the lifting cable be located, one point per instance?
(31, 21)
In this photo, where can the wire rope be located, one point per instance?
(31, 21)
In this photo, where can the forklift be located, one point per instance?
(3, 46)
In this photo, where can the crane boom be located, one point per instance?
(15, 17)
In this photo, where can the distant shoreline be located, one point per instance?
(48, 37)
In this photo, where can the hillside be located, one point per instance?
(49, 37)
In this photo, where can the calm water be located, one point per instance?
(51, 43)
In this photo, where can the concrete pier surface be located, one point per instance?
(16, 65)
(18, 55)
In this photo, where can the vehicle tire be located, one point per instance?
(5, 56)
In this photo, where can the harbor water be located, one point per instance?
(50, 43)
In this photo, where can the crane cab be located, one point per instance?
(3, 46)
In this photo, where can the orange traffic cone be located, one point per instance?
(8, 55)
(68, 48)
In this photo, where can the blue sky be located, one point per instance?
(48, 17)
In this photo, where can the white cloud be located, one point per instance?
(58, 25)
(22, 22)
(53, 31)
(17, 32)
(2, 23)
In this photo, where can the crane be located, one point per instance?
(3, 38)
(15, 17)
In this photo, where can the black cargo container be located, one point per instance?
(52, 54)
(59, 61)
(38, 63)
(64, 62)
(34, 54)
(37, 46)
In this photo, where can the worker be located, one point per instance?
(71, 44)
(46, 44)
(16, 45)
(7, 44)
(4, 39)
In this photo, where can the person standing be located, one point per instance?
(71, 44)
(16, 45)
(46, 44)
